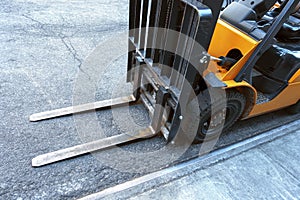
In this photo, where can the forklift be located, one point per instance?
(199, 66)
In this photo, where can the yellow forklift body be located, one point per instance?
(227, 38)
(287, 97)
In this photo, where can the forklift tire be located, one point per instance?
(294, 109)
(235, 104)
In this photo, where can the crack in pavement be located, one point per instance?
(65, 40)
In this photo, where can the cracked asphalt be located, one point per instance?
(43, 45)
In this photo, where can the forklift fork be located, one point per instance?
(152, 130)
(81, 108)
(89, 147)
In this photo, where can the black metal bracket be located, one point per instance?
(161, 100)
(137, 76)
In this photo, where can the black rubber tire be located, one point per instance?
(294, 109)
(235, 105)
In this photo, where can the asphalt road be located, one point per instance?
(43, 45)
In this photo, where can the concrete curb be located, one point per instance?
(156, 179)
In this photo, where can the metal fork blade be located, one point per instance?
(63, 154)
(81, 108)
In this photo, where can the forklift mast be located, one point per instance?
(152, 23)
(196, 19)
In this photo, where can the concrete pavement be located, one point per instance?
(43, 44)
(270, 171)
(263, 167)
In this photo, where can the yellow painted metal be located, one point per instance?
(226, 38)
(295, 78)
(233, 84)
(287, 97)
